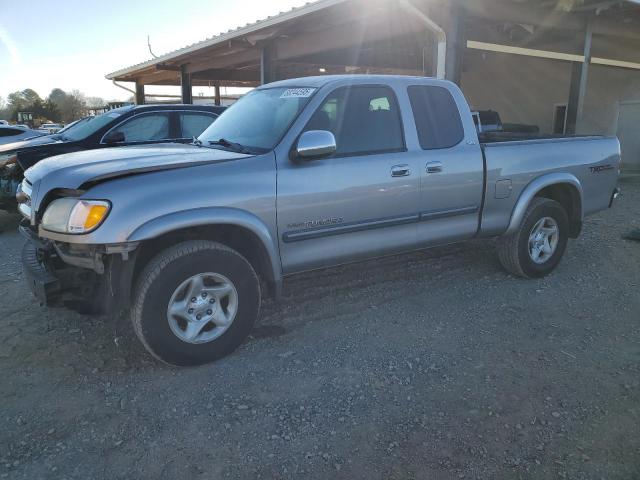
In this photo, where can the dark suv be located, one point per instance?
(130, 125)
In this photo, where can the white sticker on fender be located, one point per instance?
(298, 93)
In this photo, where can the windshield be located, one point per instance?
(259, 119)
(83, 129)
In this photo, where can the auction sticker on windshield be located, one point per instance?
(298, 92)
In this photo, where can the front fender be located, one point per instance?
(209, 216)
(532, 189)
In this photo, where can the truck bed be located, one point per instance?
(513, 162)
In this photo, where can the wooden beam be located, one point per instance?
(529, 52)
(164, 66)
(243, 75)
(159, 78)
(222, 61)
(296, 69)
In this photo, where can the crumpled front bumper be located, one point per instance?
(60, 278)
(39, 276)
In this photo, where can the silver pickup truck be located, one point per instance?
(298, 175)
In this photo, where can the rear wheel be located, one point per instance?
(536, 248)
(195, 303)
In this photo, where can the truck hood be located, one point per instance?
(29, 142)
(73, 170)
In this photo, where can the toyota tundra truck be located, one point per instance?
(298, 175)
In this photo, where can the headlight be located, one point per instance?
(71, 215)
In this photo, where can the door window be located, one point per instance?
(364, 120)
(437, 117)
(193, 124)
(144, 128)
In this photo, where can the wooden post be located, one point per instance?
(218, 100)
(185, 83)
(139, 93)
(267, 64)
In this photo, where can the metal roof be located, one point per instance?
(598, 6)
(292, 14)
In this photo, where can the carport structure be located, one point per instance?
(328, 36)
(562, 65)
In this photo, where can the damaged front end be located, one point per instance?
(10, 178)
(91, 279)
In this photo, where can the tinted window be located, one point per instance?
(143, 128)
(363, 119)
(437, 117)
(10, 132)
(193, 124)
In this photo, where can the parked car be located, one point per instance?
(298, 175)
(51, 127)
(130, 125)
(15, 133)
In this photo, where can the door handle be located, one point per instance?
(400, 171)
(434, 167)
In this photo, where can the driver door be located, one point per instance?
(359, 202)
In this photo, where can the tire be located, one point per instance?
(514, 250)
(160, 286)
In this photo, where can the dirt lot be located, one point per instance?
(429, 365)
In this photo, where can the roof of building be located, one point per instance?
(616, 8)
(294, 13)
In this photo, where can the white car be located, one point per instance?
(14, 133)
(51, 127)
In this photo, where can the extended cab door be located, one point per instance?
(359, 202)
(452, 168)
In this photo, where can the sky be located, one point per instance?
(73, 44)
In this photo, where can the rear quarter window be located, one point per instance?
(437, 117)
(10, 132)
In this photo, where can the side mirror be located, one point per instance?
(114, 137)
(315, 144)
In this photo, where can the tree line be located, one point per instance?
(59, 106)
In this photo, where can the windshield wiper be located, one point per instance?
(196, 142)
(232, 145)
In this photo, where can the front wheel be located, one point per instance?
(536, 248)
(195, 303)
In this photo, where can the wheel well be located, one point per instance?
(568, 196)
(242, 240)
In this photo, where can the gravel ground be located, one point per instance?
(423, 366)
